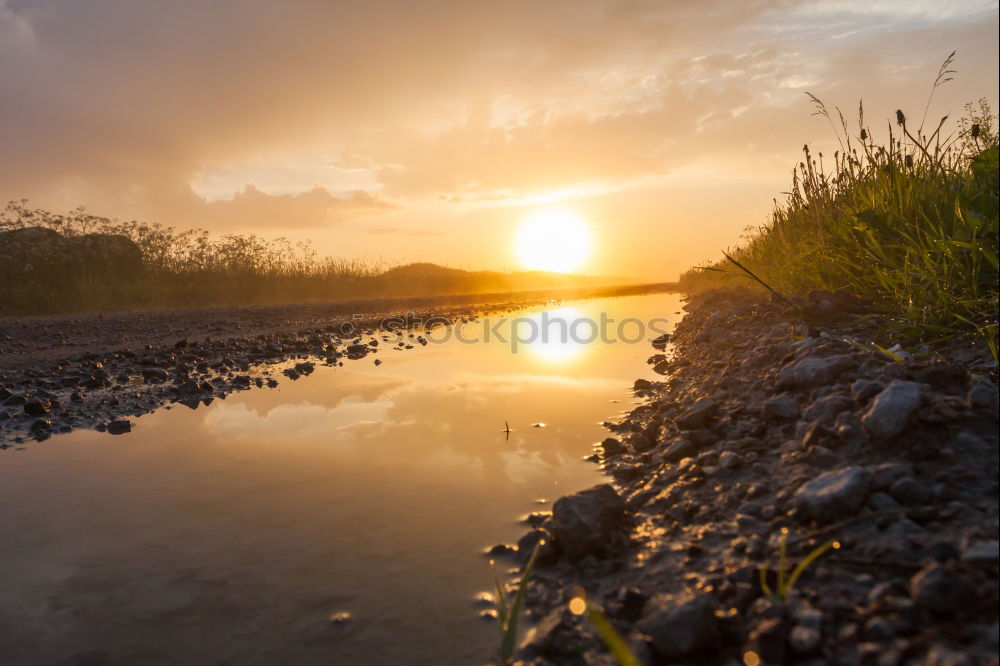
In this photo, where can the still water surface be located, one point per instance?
(231, 534)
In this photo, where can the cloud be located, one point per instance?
(303, 115)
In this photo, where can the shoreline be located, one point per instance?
(765, 423)
(59, 373)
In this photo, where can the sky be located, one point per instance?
(429, 131)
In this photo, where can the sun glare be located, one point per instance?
(554, 239)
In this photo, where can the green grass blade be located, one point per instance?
(616, 644)
(509, 627)
(806, 561)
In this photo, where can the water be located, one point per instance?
(231, 534)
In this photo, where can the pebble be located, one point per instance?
(892, 409)
(833, 495)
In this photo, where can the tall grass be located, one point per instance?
(909, 222)
(178, 268)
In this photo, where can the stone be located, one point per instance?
(37, 407)
(119, 426)
(864, 390)
(679, 449)
(882, 502)
(983, 397)
(936, 589)
(781, 408)
(891, 410)
(804, 640)
(984, 555)
(680, 626)
(886, 474)
(699, 415)
(833, 495)
(642, 385)
(588, 522)
(612, 447)
(730, 460)
(826, 409)
(812, 371)
(768, 639)
(907, 490)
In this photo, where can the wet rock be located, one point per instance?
(357, 351)
(812, 371)
(700, 415)
(642, 385)
(936, 589)
(154, 374)
(681, 627)
(679, 449)
(37, 407)
(661, 341)
(547, 553)
(15, 399)
(781, 408)
(119, 427)
(502, 550)
(589, 522)
(628, 603)
(833, 495)
(612, 447)
(891, 410)
(41, 425)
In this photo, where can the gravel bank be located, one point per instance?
(767, 420)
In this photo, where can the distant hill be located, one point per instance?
(427, 278)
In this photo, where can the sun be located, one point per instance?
(553, 239)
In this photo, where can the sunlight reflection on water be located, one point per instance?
(234, 532)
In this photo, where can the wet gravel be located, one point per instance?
(773, 424)
(99, 371)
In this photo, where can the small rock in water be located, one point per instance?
(119, 427)
(642, 385)
(588, 522)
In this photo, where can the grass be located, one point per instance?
(616, 644)
(909, 223)
(786, 580)
(509, 614)
(177, 269)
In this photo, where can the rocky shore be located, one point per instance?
(775, 424)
